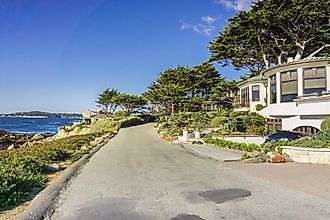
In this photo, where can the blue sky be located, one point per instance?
(58, 55)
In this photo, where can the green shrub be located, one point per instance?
(325, 124)
(216, 122)
(121, 113)
(131, 121)
(259, 107)
(234, 145)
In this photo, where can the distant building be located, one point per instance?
(90, 116)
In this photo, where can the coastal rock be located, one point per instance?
(37, 137)
(278, 159)
(11, 147)
(52, 168)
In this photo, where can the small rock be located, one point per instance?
(52, 168)
(278, 159)
(11, 147)
(251, 160)
(37, 137)
(254, 154)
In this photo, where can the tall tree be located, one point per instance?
(105, 100)
(128, 102)
(271, 31)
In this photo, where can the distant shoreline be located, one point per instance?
(27, 116)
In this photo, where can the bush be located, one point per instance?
(259, 107)
(325, 124)
(121, 113)
(234, 145)
(216, 122)
(130, 121)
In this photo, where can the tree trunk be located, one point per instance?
(300, 52)
(265, 60)
(279, 60)
(318, 50)
(172, 112)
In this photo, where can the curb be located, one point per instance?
(181, 146)
(43, 204)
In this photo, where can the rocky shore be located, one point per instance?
(9, 141)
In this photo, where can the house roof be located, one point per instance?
(253, 79)
(304, 61)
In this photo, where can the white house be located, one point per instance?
(252, 92)
(298, 95)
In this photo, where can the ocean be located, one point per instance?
(34, 125)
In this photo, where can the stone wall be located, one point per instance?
(308, 155)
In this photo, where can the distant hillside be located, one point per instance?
(43, 114)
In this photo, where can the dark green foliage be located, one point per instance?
(128, 102)
(121, 113)
(325, 124)
(184, 89)
(234, 145)
(271, 31)
(197, 142)
(259, 107)
(320, 140)
(219, 121)
(105, 100)
(243, 122)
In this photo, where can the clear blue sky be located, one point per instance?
(58, 55)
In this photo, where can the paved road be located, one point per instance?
(139, 176)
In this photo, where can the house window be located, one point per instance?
(314, 80)
(274, 125)
(255, 93)
(289, 86)
(273, 94)
(307, 130)
(245, 97)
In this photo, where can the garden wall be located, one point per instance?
(308, 155)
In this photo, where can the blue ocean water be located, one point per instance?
(34, 125)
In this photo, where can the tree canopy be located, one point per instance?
(184, 88)
(271, 31)
(128, 102)
(105, 100)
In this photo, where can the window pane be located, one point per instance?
(289, 87)
(315, 83)
(255, 93)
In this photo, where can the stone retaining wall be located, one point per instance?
(308, 155)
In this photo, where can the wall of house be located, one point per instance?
(263, 96)
(306, 111)
(291, 123)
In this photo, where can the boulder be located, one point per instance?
(37, 137)
(278, 159)
(254, 154)
(11, 147)
(52, 168)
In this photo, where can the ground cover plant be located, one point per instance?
(234, 145)
(23, 169)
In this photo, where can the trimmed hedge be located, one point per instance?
(234, 145)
